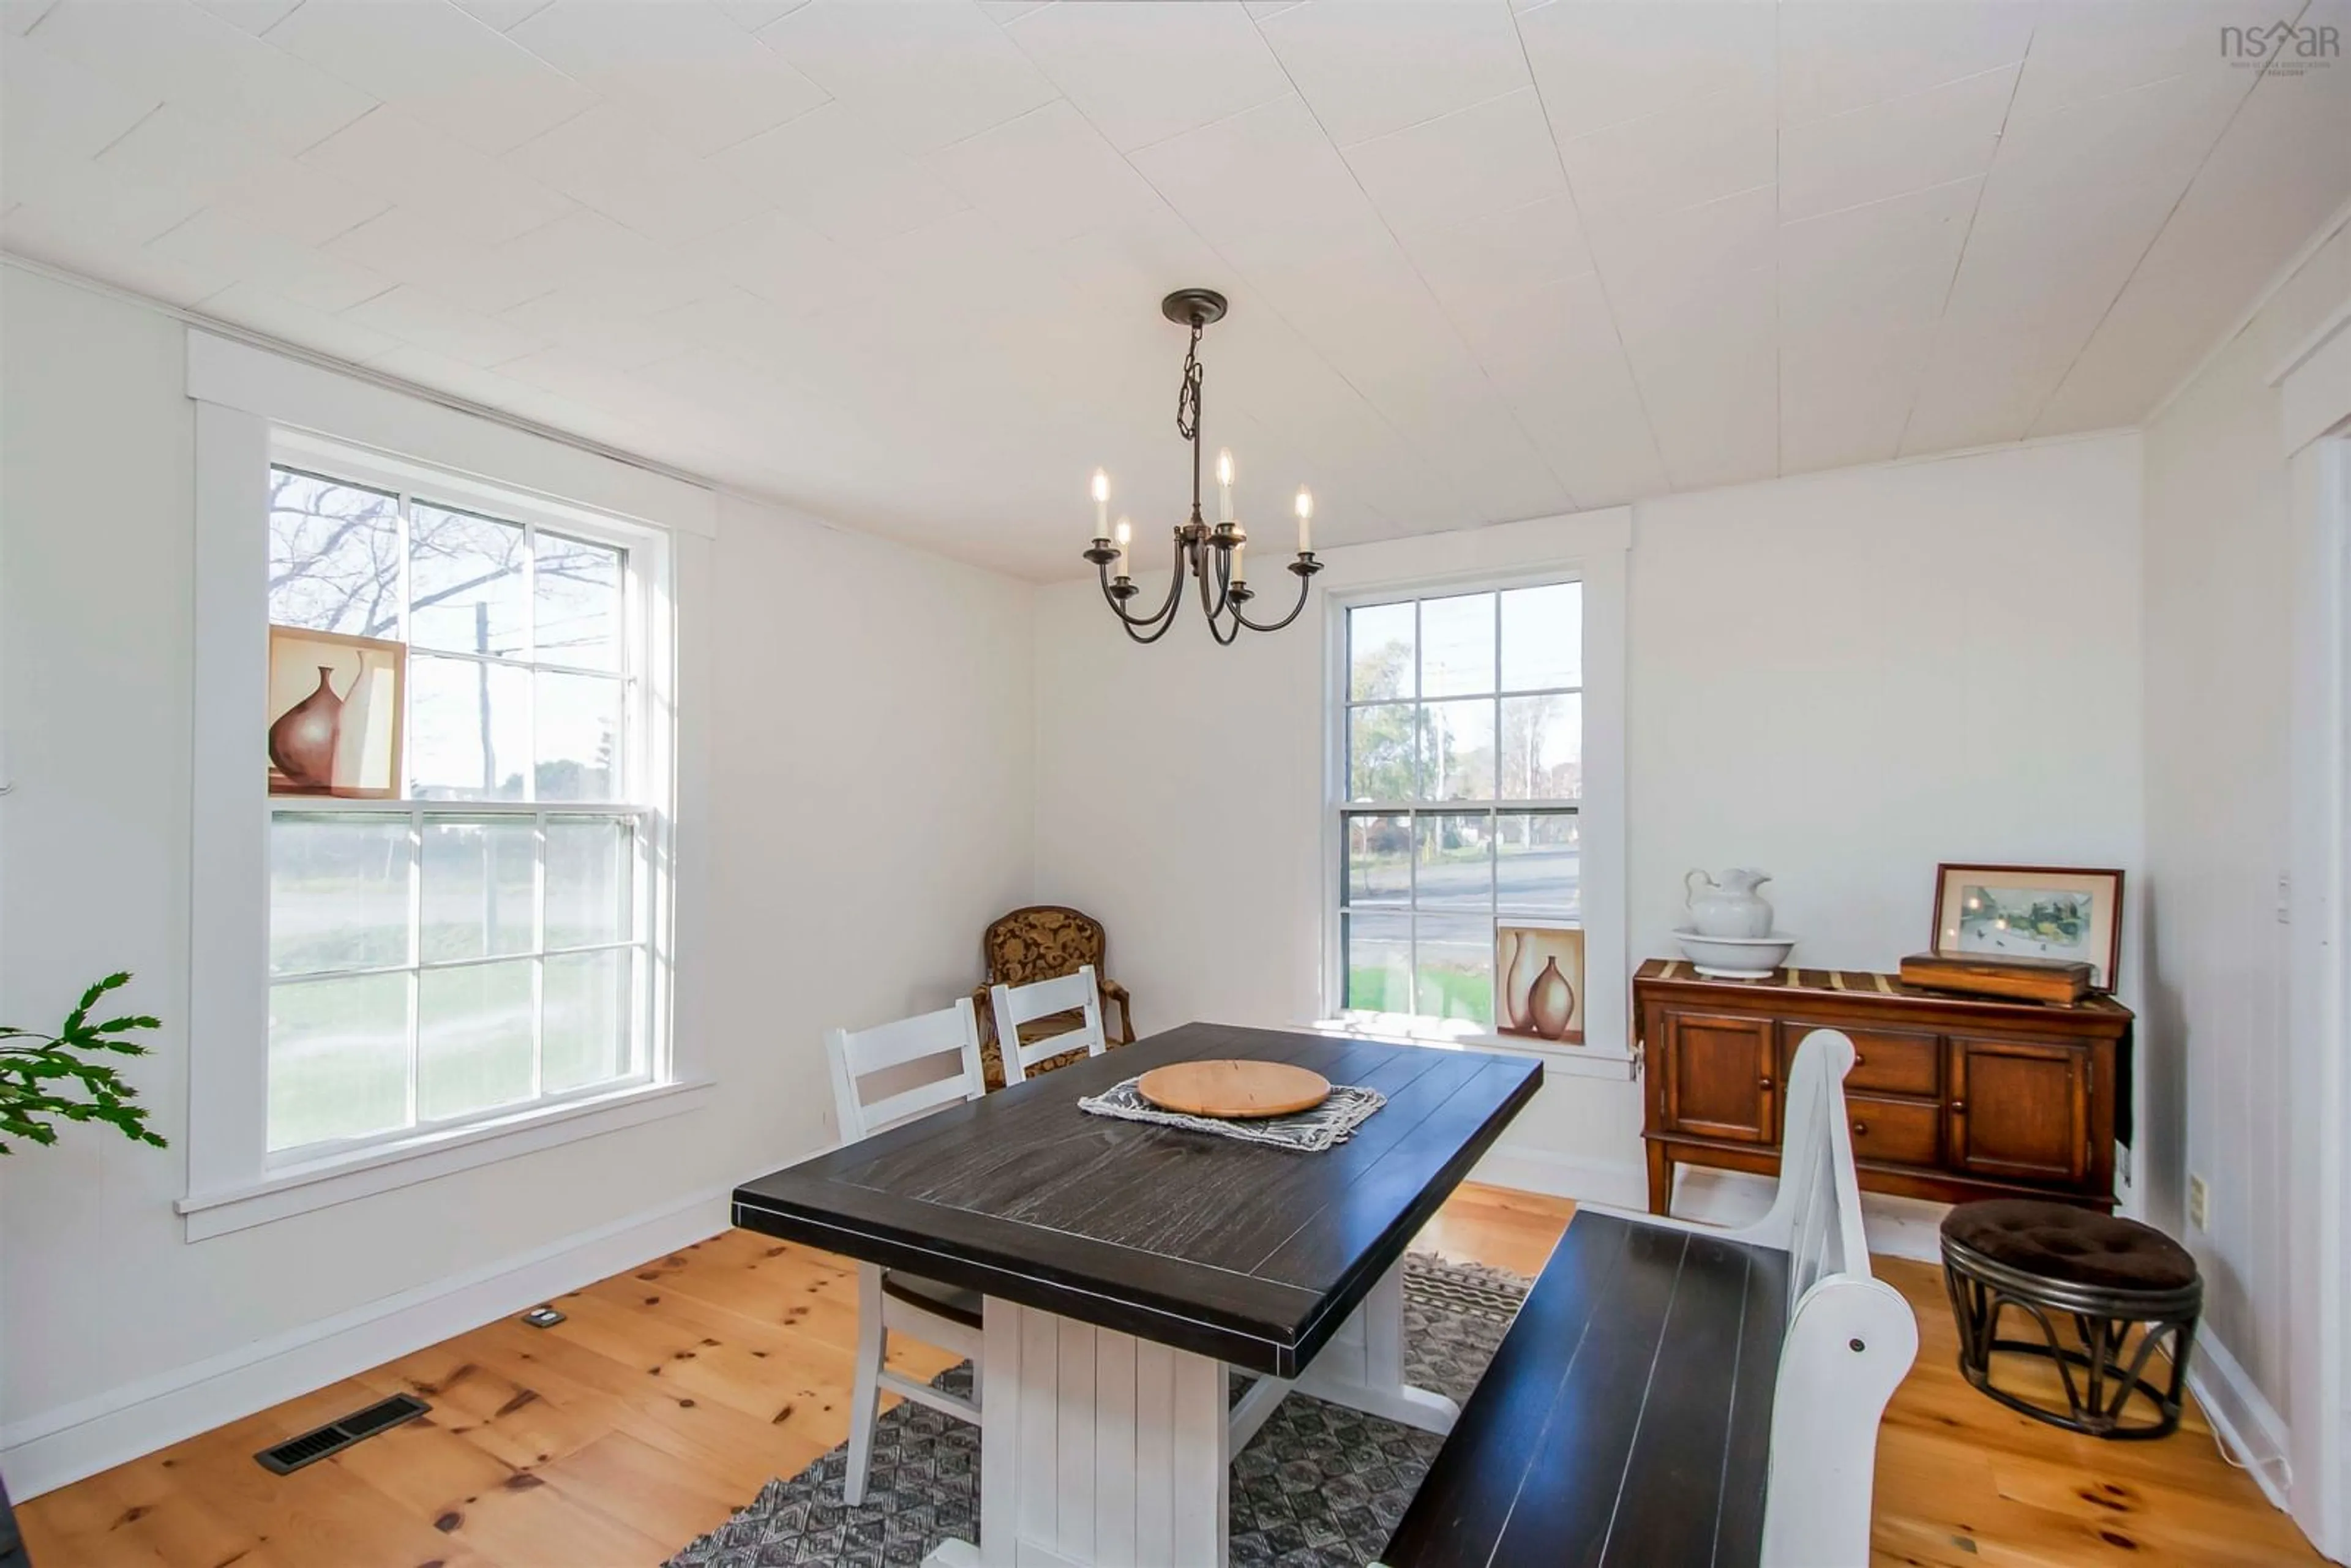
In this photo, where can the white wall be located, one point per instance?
(1849, 677)
(1843, 678)
(2221, 596)
(869, 815)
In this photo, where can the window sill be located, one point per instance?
(298, 1189)
(1570, 1060)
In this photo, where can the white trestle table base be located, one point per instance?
(1101, 1449)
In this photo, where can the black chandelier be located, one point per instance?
(1216, 557)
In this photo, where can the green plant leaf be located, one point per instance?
(32, 1074)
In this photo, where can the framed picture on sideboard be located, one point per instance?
(2066, 913)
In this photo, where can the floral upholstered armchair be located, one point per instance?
(1044, 942)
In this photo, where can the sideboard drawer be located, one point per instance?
(1895, 1132)
(1884, 1060)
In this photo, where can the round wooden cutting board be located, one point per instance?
(1236, 1089)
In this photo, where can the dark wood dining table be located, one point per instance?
(1126, 1265)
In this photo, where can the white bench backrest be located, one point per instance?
(1820, 1197)
(1851, 1337)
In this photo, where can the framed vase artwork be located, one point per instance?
(1538, 979)
(335, 714)
(2061, 912)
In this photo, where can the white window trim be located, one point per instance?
(291, 1189)
(253, 407)
(1595, 555)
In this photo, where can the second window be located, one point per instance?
(1462, 746)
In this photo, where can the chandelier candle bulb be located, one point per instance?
(1305, 520)
(1125, 532)
(1241, 572)
(1101, 504)
(1225, 485)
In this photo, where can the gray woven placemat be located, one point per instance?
(1332, 1122)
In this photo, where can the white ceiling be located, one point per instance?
(898, 262)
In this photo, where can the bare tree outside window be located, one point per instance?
(334, 556)
(335, 563)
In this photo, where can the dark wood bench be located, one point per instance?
(1671, 1393)
(1625, 1418)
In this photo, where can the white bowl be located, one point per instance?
(1736, 958)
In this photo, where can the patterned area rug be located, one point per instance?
(1318, 1487)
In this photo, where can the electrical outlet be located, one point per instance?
(2199, 1201)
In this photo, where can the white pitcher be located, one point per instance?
(1729, 906)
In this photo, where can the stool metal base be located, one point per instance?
(2098, 1385)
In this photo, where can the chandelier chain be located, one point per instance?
(1187, 396)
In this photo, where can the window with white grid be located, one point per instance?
(478, 943)
(1460, 746)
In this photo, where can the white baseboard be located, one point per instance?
(1616, 1183)
(1897, 1227)
(48, 1450)
(2246, 1422)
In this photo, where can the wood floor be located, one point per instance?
(676, 1389)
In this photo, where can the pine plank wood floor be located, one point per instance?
(677, 1388)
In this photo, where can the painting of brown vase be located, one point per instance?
(334, 714)
(1539, 966)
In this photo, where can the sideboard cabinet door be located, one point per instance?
(1718, 1081)
(2019, 1109)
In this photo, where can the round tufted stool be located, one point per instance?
(2051, 1262)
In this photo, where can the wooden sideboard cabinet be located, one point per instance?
(1951, 1098)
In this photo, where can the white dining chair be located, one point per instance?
(891, 1298)
(1016, 1005)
